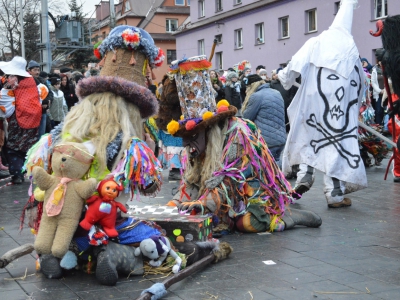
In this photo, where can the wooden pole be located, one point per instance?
(182, 275)
(213, 50)
(14, 254)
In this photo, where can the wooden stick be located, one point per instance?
(213, 49)
(182, 275)
(14, 254)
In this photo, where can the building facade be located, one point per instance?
(160, 18)
(269, 32)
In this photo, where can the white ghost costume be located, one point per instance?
(324, 113)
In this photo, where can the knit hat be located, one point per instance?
(33, 64)
(231, 75)
(246, 69)
(263, 72)
(196, 97)
(55, 80)
(127, 53)
(253, 78)
(65, 70)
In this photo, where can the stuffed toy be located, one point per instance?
(65, 195)
(102, 208)
(157, 249)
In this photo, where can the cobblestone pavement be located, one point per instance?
(353, 255)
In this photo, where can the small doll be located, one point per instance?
(102, 208)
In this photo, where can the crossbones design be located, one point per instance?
(334, 128)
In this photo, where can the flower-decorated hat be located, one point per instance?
(127, 54)
(196, 97)
(239, 67)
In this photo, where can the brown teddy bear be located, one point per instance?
(65, 195)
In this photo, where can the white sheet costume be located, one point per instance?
(324, 113)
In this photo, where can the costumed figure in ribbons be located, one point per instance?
(108, 120)
(229, 171)
(389, 56)
(324, 113)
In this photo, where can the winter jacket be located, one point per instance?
(220, 90)
(69, 94)
(287, 96)
(58, 107)
(377, 81)
(49, 97)
(267, 110)
(232, 94)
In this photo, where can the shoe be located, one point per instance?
(396, 179)
(344, 203)
(3, 167)
(114, 259)
(295, 217)
(174, 175)
(50, 266)
(301, 188)
(17, 180)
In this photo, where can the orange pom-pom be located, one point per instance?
(172, 127)
(222, 109)
(207, 115)
(190, 125)
(222, 103)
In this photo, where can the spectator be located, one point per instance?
(68, 88)
(217, 85)
(232, 90)
(264, 75)
(259, 68)
(58, 108)
(366, 65)
(264, 106)
(377, 87)
(243, 81)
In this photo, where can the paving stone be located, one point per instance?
(14, 295)
(252, 293)
(105, 294)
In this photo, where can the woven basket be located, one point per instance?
(121, 67)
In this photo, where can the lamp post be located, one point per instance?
(21, 21)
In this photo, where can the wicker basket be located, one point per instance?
(121, 67)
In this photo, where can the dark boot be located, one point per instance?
(295, 217)
(174, 174)
(114, 259)
(50, 266)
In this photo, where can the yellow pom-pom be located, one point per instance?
(38, 194)
(33, 231)
(207, 115)
(172, 127)
(222, 103)
(182, 118)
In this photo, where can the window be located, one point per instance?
(260, 33)
(311, 20)
(188, 2)
(201, 8)
(179, 2)
(171, 25)
(337, 6)
(284, 27)
(218, 60)
(238, 39)
(236, 2)
(218, 38)
(200, 44)
(380, 9)
(171, 56)
(127, 5)
(218, 5)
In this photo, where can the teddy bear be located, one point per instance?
(102, 208)
(157, 249)
(64, 198)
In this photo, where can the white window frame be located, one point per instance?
(127, 6)
(218, 6)
(201, 47)
(219, 60)
(239, 38)
(177, 4)
(169, 54)
(308, 15)
(168, 25)
(202, 8)
(281, 28)
(237, 2)
(383, 11)
(218, 37)
(260, 33)
(188, 2)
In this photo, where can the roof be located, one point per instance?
(163, 36)
(228, 14)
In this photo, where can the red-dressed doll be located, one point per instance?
(102, 208)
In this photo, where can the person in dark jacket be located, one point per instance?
(68, 89)
(232, 90)
(217, 85)
(264, 106)
(287, 95)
